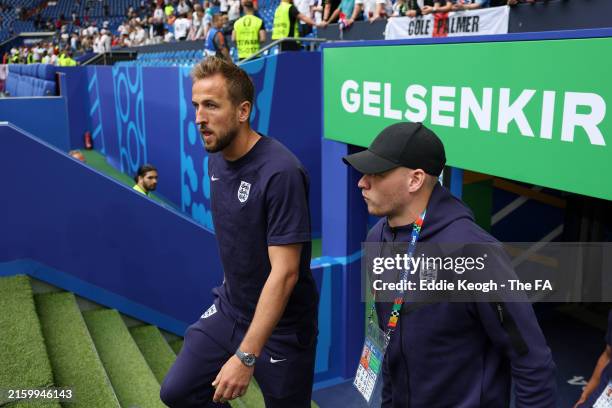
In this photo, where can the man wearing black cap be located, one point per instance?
(445, 354)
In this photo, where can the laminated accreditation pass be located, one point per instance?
(605, 399)
(367, 378)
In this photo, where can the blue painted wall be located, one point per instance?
(74, 220)
(45, 117)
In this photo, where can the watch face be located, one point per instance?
(249, 360)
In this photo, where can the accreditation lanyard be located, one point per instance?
(399, 299)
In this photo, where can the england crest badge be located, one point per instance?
(243, 191)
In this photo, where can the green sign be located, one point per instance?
(533, 111)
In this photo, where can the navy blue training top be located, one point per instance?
(606, 374)
(261, 200)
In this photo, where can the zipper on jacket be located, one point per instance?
(500, 311)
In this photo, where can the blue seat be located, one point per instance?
(48, 88)
(11, 83)
(37, 87)
(21, 86)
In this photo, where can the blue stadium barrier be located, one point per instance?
(31, 80)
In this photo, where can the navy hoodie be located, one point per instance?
(461, 355)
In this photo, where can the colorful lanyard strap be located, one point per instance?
(399, 299)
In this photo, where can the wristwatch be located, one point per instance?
(248, 359)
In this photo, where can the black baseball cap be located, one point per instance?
(402, 144)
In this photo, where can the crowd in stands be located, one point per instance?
(92, 27)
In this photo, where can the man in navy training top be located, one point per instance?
(599, 388)
(263, 321)
(446, 354)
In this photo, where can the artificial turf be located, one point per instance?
(176, 346)
(73, 356)
(155, 350)
(133, 381)
(23, 356)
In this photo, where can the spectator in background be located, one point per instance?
(169, 10)
(233, 12)
(93, 29)
(600, 382)
(304, 7)
(344, 13)
(328, 8)
(383, 9)
(66, 60)
(439, 6)
(74, 41)
(196, 32)
(363, 10)
(157, 31)
(223, 6)
(146, 179)
(105, 41)
(459, 5)
(215, 40)
(183, 7)
(54, 59)
(170, 20)
(400, 9)
(317, 11)
(14, 56)
(140, 35)
(46, 59)
(159, 13)
(249, 32)
(168, 36)
(208, 17)
(181, 27)
(286, 19)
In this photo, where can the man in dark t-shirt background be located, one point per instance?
(263, 321)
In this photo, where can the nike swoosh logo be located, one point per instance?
(213, 178)
(274, 361)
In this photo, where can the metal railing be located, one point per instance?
(313, 42)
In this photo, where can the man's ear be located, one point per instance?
(417, 180)
(244, 111)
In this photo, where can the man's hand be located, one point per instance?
(232, 381)
(580, 401)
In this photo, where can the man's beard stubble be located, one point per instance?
(223, 140)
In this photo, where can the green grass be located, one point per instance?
(155, 350)
(98, 162)
(132, 379)
(252, 399)
(72, 352)
(176, 346)
(23, 357)
(35, 404)
(316, 248)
